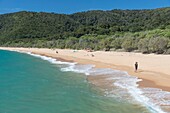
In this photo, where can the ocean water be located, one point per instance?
(32, 83)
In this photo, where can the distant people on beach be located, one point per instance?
(136, 66)
(56, 51)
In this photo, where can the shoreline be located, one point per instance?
(150, 78)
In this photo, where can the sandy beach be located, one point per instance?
(154, 70)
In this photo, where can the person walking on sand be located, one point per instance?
(136, 66)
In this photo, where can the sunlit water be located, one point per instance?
(31, 85)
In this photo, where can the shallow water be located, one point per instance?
(31, 85)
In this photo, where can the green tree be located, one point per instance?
(117, 43)
(143, 45)
(129, 44)
(158, 45)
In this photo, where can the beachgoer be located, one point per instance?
(92, 55)
(56, 51)
(136, 66)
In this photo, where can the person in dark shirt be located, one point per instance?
(136, 66)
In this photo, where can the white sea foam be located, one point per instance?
(127, 87)
(50, 59)
(138, 94)
(79, 68)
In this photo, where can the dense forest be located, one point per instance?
(146, 31)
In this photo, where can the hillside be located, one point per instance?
(64, 31)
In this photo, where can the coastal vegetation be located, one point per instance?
(146, 31)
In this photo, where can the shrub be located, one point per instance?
(129, 44)
(168, 51)
(117, 43)
(143, 45)
(158, 45)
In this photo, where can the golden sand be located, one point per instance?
(154, 70)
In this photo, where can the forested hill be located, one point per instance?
(51, 26)
(46, 25)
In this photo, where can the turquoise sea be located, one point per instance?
(30, 84)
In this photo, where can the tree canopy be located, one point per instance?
(119, 29)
